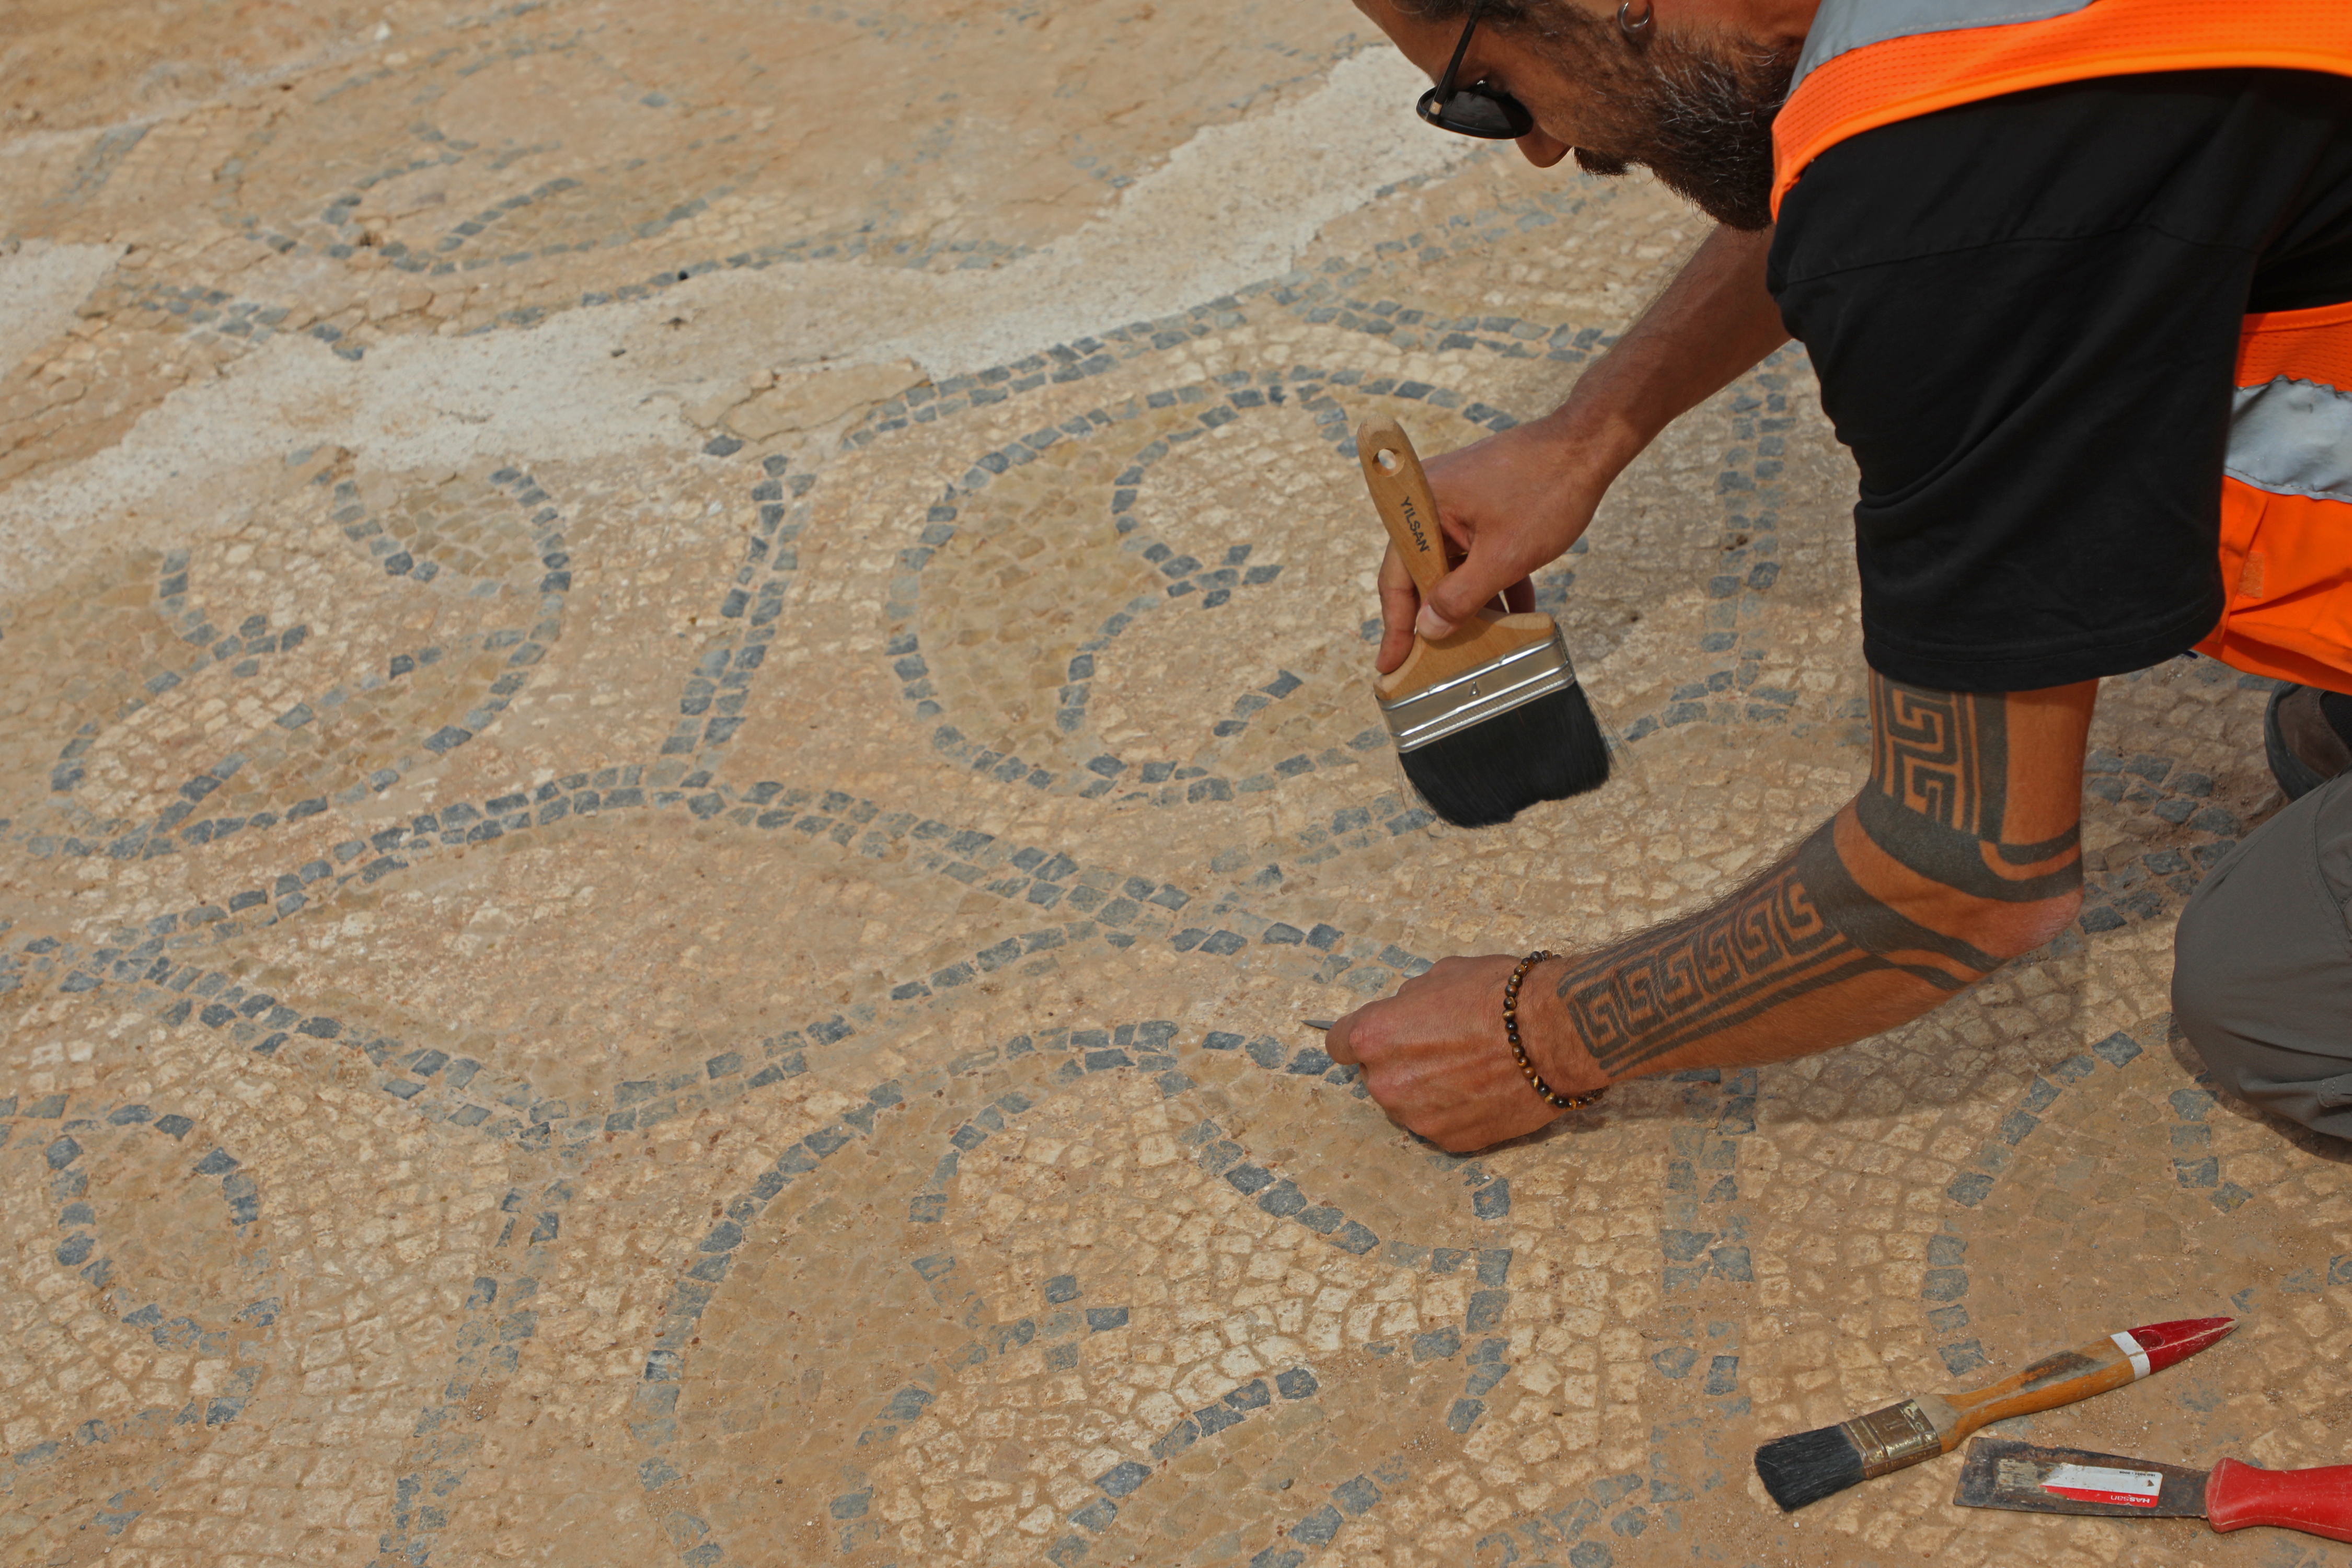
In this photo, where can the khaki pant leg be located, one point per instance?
(2262, 980)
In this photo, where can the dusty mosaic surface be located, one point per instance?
(685, 714)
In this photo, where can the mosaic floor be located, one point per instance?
(683, 716)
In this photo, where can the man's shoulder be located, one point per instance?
(2209, 156)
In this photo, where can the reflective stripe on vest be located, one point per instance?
(1868, 63)
(1840, 28)
(2286, 502)
(2286, 493)
(2293, 438)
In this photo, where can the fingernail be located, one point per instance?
(1430, 624)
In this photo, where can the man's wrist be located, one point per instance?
(1596, 437)
(1555, 1046)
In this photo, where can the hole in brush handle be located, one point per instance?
(1387, 461)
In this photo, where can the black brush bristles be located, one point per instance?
(1548, 749)
(1808, 1467)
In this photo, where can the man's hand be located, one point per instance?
(1509, 505)
(1434, 1058)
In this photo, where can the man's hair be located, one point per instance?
(1548, 17)
(1541, 17)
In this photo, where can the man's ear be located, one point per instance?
(1543, 150)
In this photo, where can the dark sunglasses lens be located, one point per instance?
(1479, 111)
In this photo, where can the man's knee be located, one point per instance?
(2209, 988)
(2272, 1033)
(2261, 978)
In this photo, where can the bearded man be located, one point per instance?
(2076, 278)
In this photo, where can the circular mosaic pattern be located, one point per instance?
(135, 1227)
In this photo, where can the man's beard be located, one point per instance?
(1699, 120)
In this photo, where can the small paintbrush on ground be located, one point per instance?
(1809, 1465)
(1489, 721)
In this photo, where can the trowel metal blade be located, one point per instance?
(1999, 1473)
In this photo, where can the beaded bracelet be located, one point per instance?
(1520, 1051)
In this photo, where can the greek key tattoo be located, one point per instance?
(1940, 791)
(1934, 807)
(1942, 755)
(1682, 981)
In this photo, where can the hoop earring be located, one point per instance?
(1635, 30)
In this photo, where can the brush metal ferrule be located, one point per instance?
(1891, 1438)
(1425, 717)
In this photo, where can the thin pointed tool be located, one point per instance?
(1322, 1024)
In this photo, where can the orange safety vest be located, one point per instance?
(2286, 491)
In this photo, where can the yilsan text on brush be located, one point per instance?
(1412, 520)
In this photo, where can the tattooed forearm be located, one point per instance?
(1681, 983)
(1897, 896)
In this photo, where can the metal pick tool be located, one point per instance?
(1322, 1024)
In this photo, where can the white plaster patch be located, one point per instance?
(1236, 204)
(41, 283)
(554, 394)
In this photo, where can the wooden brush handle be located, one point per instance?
(1401, 490)
(1929, 1424)
(2091, 1368)
(1392, 473)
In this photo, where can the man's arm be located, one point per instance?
(1516, 501)
(1958, 854)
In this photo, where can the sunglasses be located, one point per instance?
(1476, 110)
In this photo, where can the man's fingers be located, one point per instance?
(1399, 601)
(1469, 588)
(1336, 1044)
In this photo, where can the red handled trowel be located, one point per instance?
(2230, 1496)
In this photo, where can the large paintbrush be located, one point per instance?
(1488, 721)
(1809, 1465)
